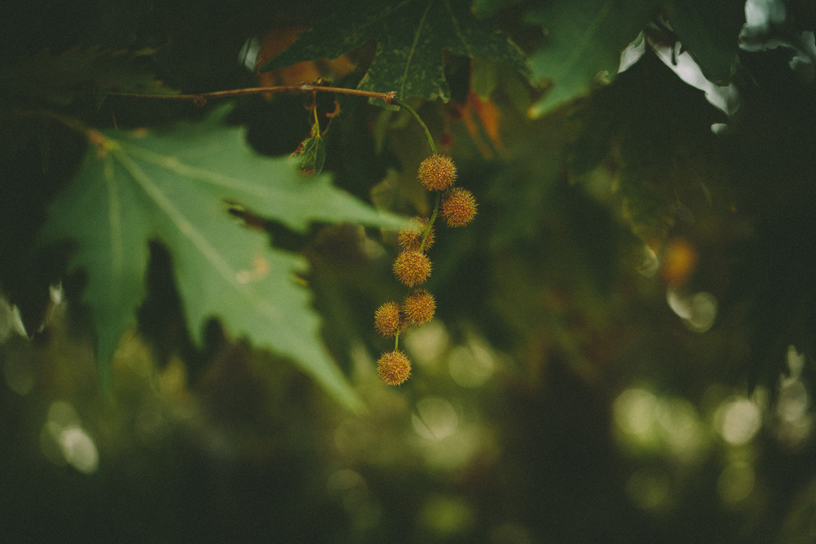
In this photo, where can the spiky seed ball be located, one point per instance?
(411, 238)
(458, 207)
(393, 367)
(412, 267)
(437, 173)
(387, 319)
(419, 307)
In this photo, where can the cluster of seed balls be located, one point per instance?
(412, 267)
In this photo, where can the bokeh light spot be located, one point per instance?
(649, 489)
(738, 420)
(471, 365)
(634, 411)
(79, 450)
(60, 415)
(679, 261)
(63, 434)
(736, 482)
(697, 311)
(446, 516)
(682, 428)
(793, 400)
(435, 418)
(796, 362)
(427, 343)
(703, 312)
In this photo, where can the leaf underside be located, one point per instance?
(583, 41)
(412, 37)
(173, 187)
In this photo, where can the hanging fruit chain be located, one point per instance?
(412, 267)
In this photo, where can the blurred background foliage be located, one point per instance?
(623, 350)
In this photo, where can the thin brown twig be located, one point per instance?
(201, 98)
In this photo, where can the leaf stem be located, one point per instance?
(94, 136)
(201, 98)
(71, 122)
(399, 102)
(430, 222)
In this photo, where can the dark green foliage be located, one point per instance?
(412, 38)
(60, 80)
(656, 132)
(710, 30)
(773, 143)
(584, 42)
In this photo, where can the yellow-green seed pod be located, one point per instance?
(412, 268)
(387, 319)
(419, 307)
(393, 367)
(458, 207)
(411, 238)
(437, 173)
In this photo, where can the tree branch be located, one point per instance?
(201, 98)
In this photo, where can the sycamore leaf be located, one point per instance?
(412, 37)
(64, 78)
(583, 40)
(173, 186)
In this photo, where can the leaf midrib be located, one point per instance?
(115, 225)
(189, 231)
(413, 47)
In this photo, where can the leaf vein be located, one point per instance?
(178, 218)
(196, 238)
(114, 222)
(587, 35)
(188, 171)
(458, 29)
(414, 46)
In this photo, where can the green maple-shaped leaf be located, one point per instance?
(583, 40)
(61, 79)
(173, 186)
(412, 37)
